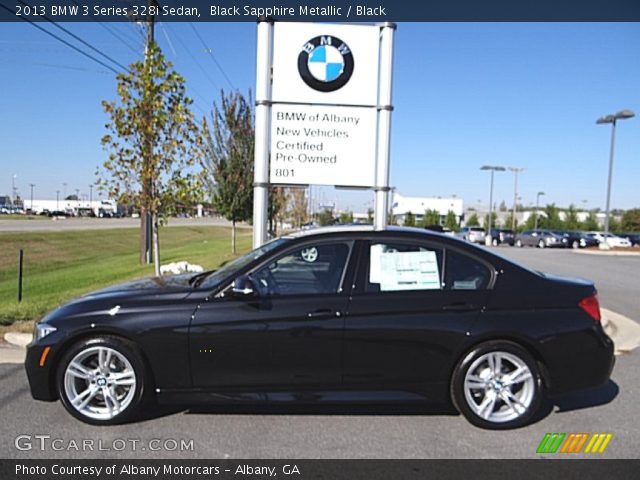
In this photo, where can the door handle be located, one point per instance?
(461, 307)
(323, 313)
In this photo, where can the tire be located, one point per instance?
(91, 365)
(575, 244)
(484, 396)
(541, 244)
(519, 243)
(309, 255)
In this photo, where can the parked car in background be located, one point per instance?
(394, 315)
(634, 238)
(539, 238)
(502, 235)
(576, 239)
(472, 234)
(611, 239)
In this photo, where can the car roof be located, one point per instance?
(361, 229)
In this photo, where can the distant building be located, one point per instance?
(97, 208)
(417, 206)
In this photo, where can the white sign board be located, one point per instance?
(325, 63)
(321, 145)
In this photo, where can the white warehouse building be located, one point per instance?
(402, 205)
(72, 207)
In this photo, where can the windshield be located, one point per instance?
(215, 277)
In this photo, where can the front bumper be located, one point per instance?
(41, 378)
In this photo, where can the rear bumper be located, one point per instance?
(588, 364)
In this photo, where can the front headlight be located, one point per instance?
(41, 330)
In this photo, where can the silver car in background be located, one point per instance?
(472, 234)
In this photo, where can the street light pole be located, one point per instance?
(612, 119)
(537, 207)
(32, 185)
(516, 171)
(492, 169)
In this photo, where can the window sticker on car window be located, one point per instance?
(405, 270)
(465, 285)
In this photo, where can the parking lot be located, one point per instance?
(355, 432)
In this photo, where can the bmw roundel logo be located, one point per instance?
(325, 63)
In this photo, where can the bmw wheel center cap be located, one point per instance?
(325, 63)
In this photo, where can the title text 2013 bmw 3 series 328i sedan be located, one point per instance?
(336, 315)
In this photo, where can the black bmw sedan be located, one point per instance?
(335, 315)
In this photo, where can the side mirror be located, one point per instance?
(244, 286)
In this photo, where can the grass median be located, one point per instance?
(59, 266)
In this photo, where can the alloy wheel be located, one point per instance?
(99, 382)
(499, 387)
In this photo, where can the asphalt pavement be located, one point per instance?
(346, 432)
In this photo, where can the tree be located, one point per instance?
(431, 217)
(451, 221)
(508, 221)
(409, 220)
(552, 219)
(494, 220)
(228, 156)
(590, 223)
(325, 217)
(297, 211)
(277, 207)
(571, 221)
(153, 142)
(473, 221)
(631, 220)
(503, 206)
(346, 217)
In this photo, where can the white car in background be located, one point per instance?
(611, 239)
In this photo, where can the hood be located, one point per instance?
(163, 284)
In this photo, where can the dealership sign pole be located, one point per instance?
(263, 112)
(323, 110)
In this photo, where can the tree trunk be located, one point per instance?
(233, 237)
(143, 236)
(156, 245)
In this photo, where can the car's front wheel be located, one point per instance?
(497, 386)
(101, 380)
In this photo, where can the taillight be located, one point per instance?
(591, 306)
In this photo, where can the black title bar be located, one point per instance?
(321, 11)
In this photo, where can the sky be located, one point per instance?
(465, 95)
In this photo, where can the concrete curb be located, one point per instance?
(18, 339)
(624, 332)
(617, 253)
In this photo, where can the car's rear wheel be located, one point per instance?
(497, 386)
(541, 244)
(101, 380)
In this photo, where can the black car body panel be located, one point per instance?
(201, 343)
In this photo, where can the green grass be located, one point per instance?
(59, 266)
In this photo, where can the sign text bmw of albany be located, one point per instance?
(324, 93)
